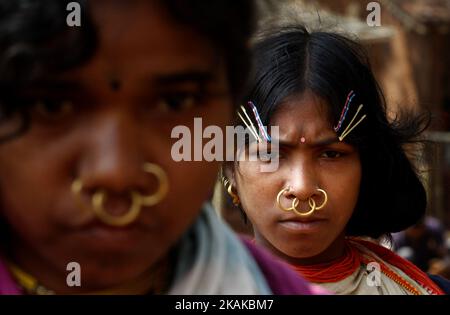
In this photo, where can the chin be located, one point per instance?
(306, 251)
(97, 277)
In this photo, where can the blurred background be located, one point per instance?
(410, 54)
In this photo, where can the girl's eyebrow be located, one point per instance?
(324, 142)
(197, 77)
(57, 85)
(319, 143)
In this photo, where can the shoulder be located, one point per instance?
(443, 283)
(281, 279)
(386, 255)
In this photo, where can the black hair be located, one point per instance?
(289, 61)
(35, 42)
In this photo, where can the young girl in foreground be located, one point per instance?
(343, 174)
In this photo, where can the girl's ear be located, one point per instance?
(228, 172)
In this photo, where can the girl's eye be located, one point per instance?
(268, 156)
(53, 109)
(177, 102)
(331, 154)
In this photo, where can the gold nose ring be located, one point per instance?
(137, 200)
(98, 200)
(311, 203)
(163, 188)
(295, 202)
(325, 199)
(280, 206)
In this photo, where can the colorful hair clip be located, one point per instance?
(349, 127)
(259, 122)
(344, 110)
(249, 124)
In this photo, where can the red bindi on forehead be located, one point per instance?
(303, 122)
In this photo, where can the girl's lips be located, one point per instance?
(100, 237)
(97, 225)
(302, 225)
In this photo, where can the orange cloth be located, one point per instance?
(346, 265)
(333, 271)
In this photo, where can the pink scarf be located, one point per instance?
(7, 284)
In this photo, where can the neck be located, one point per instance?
(332, 252)
(25, 261)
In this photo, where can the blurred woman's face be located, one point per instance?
(310, 157)
(165, 74)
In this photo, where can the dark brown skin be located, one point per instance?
(103, 138)
(333, 166)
